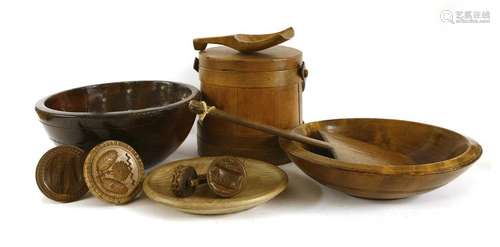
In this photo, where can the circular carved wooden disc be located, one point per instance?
(226, 176)
(59, 174)
(114, 172)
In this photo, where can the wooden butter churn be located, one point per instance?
(260, 85)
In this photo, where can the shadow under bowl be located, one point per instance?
(440, 156)
(151, 116)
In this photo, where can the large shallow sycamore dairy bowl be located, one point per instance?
(150, 116)
(439, 156)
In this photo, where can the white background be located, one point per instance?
(386, 59)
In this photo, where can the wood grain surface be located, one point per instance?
(59, 174)
(246, 42)
(265, 87)
(264, 182)
(439, 156)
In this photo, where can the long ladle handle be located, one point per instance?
(201, 108)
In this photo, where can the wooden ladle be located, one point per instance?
(342, 147)
(246, 42)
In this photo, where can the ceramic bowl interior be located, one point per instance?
(118, 97)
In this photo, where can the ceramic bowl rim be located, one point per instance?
(42, 107)
(469, 156)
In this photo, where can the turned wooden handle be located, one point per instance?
(201, 108)
(200, 44)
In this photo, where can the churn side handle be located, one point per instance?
(196, 64)
(303, 73)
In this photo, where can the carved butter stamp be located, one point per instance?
(114, 172)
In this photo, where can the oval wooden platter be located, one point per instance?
(264, 182)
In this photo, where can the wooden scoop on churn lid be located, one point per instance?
(246, 43)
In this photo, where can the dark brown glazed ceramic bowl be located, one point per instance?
(440, 155)
(151, 116)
